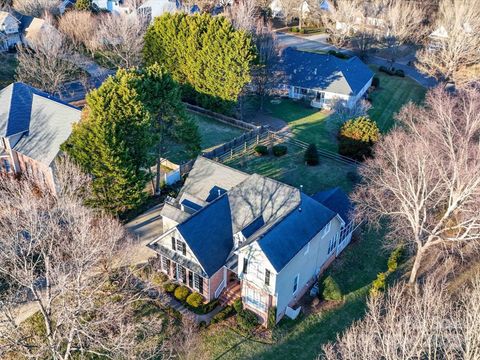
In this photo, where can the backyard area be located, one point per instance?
(8, 64)
(213, 133)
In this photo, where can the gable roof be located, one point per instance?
(287, 237)
(4, 15)
(325, 72)
(43, 121)
(336, 200)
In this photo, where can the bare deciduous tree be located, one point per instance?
(36, 8)
(342, 21)
(405, 324)
(120, 39)
(244, 15)
(79, 27)
(44, 62)
(459, 50)
(59, 256)
(400, 22)
(428, 191)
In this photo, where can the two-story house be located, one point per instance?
(267, 240)
(33, 125)
(9, 31)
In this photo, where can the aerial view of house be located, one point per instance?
(33, 125)
(324, 78)
(265, 240)
(9, 31)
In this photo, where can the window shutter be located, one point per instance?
(245, 265)
(173, 244)
(184, 249)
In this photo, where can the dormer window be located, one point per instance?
(179, 246)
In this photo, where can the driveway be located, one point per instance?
(319, 42)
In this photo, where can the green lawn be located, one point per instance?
(213, 133)
(8, 64)
(302, 339)
(393, 93)
(291, 169)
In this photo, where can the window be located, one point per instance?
(166, 264)
(326, 229)
(198, 283)
(255, 299)
(190, 279)
(245, 265)
(295, 283)
(267, 277)
(181, 274)
(181, 247)
(332, 244)
(173, 244)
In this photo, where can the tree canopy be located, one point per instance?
(204, 53)
(357, 136)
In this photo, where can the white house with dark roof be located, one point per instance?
(33, 125)
(9, 31)
(229, 234)
(324, 79)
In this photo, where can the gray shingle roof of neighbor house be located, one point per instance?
(336, 200)
(44, 121)
(265, 210)
(324, 72)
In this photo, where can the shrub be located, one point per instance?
(357, 136)
(279, 150)
(330, 289)
(294, 29)
(272, 317)
(338, 54)
(158, 278)
(400, 72)
(302, 31)
(376, 81)
(379, 284)
(261, 150)
(181, 293)
(247, 319)
(311, 155)
(169, 287)
(222, 315)
(210, 306)
(394, 259)
(238, 305)
(195, 300)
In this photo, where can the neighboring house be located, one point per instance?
(440, 35)
(9, 31)
(34, 29)
(113, 6)
(33, 125)
(153, 8)
(277, 8)
(230, 234)
(324, 79)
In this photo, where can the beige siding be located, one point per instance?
(307, 265)
(166, 240)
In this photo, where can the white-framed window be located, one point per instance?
(165, 264)
(255, 299)
(307, 249)
(179, 246)
(332, 244)
(295, 283)
(326, 229)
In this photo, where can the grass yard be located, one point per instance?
(8, 64)
(291, 169)
(393, 93)
(213, 133)
(302, 339)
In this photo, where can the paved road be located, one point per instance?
(75, 90)
(319, 42)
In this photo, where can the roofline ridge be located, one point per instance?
(223, 165)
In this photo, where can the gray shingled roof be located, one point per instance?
(336, 200)
(45, 121)
(324, 72)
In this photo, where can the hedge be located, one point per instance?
(272, 317)
(394, 258)
(338, 54)
(392, 71)
(222, 315)
(195, 300)
(261, 150)
(181, 293)
(247, 319)
(329, 289)
(238, 305)
(379, 284)
(279, 150)
(169, 287)
(376, 81)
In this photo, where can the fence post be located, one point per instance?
(258, 140)
(231, 153)
(245, 147)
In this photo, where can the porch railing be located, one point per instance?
(220, 288)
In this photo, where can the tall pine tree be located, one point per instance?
(113, 141)
(204, 53)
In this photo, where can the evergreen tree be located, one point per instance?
(84, 5)
(112, 143)
(357, 136)
(203, 53)
(311, 155)
(162, 98)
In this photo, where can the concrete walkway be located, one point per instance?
(173, 303)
